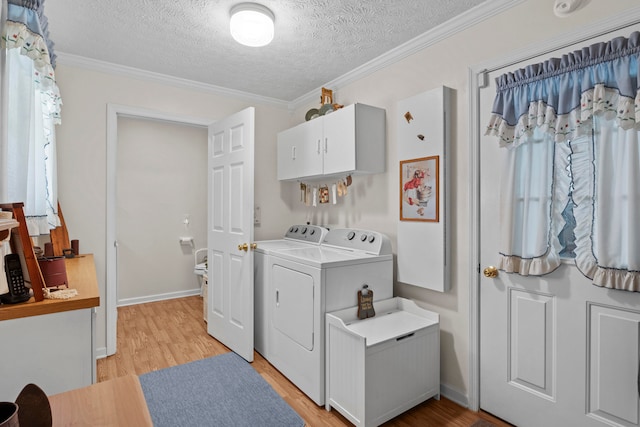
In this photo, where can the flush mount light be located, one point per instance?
(251, 24)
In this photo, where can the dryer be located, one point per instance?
(295, 236)
(307, 282)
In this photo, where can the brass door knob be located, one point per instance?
(490, 272)
(254, 245)
(243, 247)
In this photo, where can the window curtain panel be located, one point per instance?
(571, 171)
(31, 104)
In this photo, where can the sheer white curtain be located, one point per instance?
(608, 235)
(571, 173)
(30, 110)
(527, 206)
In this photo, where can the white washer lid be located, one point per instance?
(323, 257)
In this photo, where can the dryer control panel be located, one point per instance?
(367, 241)
(306, 233)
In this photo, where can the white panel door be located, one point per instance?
(230, 232)
(555, 350)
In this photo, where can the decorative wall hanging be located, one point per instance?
(423, 129)
(312, 194)
(420, 189)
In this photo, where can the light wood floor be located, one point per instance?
(167, 333)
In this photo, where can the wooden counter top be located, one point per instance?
(81, 273)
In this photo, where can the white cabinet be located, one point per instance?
(54, 351)
(379, 367)
(51, 343)
(349, 140)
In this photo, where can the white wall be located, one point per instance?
(373, 200)
(161, 177)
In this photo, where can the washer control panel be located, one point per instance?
(306, 233)
(368, 241)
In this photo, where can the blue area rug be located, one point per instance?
(219, 391)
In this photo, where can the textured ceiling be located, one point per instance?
(316, 41)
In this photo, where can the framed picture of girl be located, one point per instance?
(420, 189)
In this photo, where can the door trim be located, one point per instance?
(476, 82)
(111, 285)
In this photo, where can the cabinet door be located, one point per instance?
(339, 143)
(300, 151)
(54, 351)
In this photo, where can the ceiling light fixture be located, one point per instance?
(251, 24)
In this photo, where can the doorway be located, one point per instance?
(161, 215)
(114, 113)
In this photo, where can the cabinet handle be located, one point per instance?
(406, 336)
(293, 152)
(326, 144)
(318, 147)
(277, 297)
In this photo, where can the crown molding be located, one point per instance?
(67, 59)
(461, 22)
(584, 33)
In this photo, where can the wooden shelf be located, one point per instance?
(5, 227)
(8, 224)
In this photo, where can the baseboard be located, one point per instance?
(158, 297)
(454, 395)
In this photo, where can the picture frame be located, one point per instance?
(420, 189)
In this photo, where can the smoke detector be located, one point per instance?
(563, 8)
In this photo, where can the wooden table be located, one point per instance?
(117, 402)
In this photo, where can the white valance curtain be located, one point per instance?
(571, 176)
(30, 110)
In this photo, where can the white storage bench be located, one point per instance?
(378, 368)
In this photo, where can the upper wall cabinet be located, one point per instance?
(349, 140)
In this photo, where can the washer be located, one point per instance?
(296, 236)
(307, 282)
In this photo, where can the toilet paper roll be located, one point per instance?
(187, 241)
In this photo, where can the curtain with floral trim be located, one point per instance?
(571, 177)
(31, 106)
